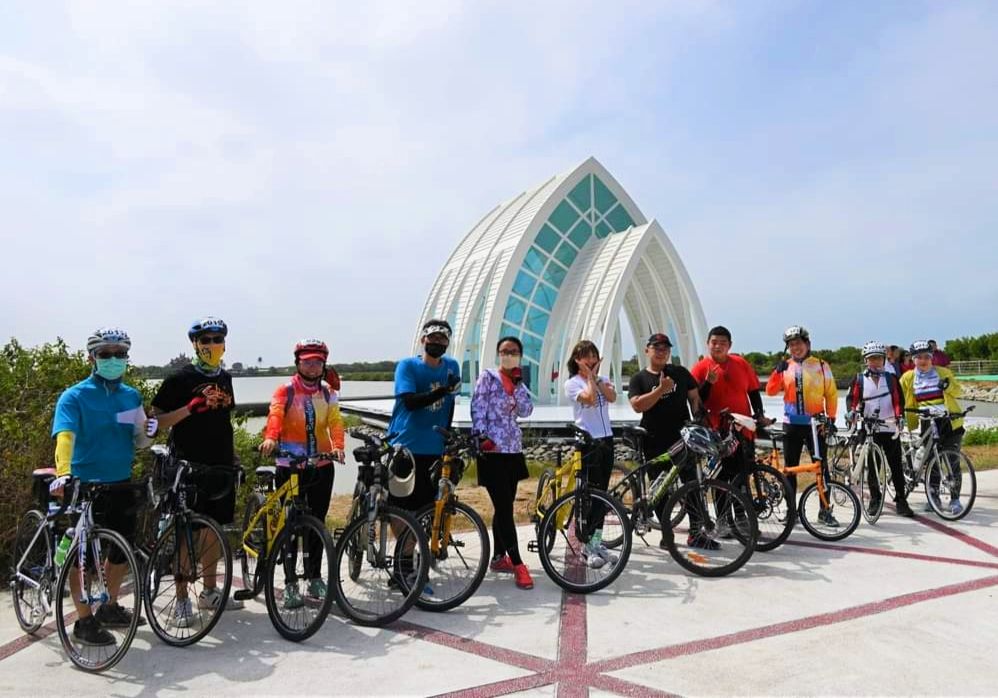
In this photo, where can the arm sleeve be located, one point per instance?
(705, 391)
(755, 399)
(908, 390)
(335, 423)
(275, 417)
(524, 405)
(774, 386)
(479, 403)
(64, 452)
(831, 393)
(417, 401)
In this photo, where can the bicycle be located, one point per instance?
(187, 543)
(382, 556)
(295, 546)
(944, 471)
(458, 539)
(823, 495)
(565, 541)
(866, 473)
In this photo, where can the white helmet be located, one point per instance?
(874, 349)
(107, 336)
(920, 346)
(401, 473)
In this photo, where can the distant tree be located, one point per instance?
(179, 361)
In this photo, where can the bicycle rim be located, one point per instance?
(951, 484)
(769, 493)
(33, 596)
(457, 570)
(102, 542)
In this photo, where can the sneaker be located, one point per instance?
(522, 577)
(183, 613)
(874, 505)
(928, 508)
(826, 517)
(88, 632)
(592, 557)
(292, 597)
(608, 555)
(904, 509)
(955, 507)
(702, 542)
(210, 598)
(502, 564)
(112, 615)
(317, 589)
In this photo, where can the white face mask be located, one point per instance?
(509, 362)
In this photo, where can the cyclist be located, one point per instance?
(928, 385)
(591, 395)
(500, 398)
(304, 419)
(808, 389)
(878, 391)
(939, 357)
(98, 424)
(196, 403)
(663, 394)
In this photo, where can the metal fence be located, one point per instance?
(974, 368)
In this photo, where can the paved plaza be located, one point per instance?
(903, 607)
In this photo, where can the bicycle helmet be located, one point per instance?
(920, 346)
(311, 349)
(207, 324)
(796, 332)
(701, 440)
(107, 336)
(401, 472)
(874, 349)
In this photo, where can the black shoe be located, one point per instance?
(904, 509)
(874, 505)
(88, 632)
(702, 542)
(112, 615)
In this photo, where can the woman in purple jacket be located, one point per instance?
(500, 398)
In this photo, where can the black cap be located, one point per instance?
(719, 331)
(658, 338)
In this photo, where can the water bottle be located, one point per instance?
(63, 548)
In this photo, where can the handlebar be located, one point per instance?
(310, 461)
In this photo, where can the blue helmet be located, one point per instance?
(207, 324)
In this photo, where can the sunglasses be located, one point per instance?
(112, 354)
(509, 353)
(217, 339)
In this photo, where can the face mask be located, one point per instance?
(111, 369)
(211, 354)
(509, 362)
(435, 350)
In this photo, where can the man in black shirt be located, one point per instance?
(196, 402)
(663, 393)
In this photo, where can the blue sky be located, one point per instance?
(306, 168)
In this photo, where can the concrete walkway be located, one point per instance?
(905, 607)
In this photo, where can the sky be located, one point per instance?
(305, 168)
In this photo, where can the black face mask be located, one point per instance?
(435, 350)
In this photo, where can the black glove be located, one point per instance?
(453, 381)
(782, 366)
(944, 383)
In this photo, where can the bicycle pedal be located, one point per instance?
(532, 546)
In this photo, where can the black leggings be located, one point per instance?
(500, 473)
(317, 487)
(795, 437)
(597, 462)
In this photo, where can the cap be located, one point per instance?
(658, 338)
(306, 355)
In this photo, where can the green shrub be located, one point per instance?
(984, 436)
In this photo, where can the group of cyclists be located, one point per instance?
(100, 421)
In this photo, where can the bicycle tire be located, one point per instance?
(392, 575)
(567, 565)
(358, 545)
(956, 471)
(545, 494)
(30, 603)
(313, 615)
(773, 502)
(810, 500)
(102, 539)
(698, 499)
(255, 539)
(871, 509)
(165, 557)
(447, 596)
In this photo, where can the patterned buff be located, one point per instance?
(208, 357)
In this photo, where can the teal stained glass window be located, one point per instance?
(532, 347)
(566, 254)
(580, 233)
(619, 218)
(524, 284)
(537, 321)
(581, 195)
(602, 229)
(604, 199)
(563, 217)
(515, 309)
(508, 330)
(535, 260)
(548, 238)
(545, 296)
(554, 274)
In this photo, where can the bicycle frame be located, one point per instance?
(817, 466)
(276, 512)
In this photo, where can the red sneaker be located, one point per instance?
(522, 577)
(503, 564)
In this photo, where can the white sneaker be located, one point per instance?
(955, 507)
(183, 613)
(592, 557)
(210, 598)
(608, 555)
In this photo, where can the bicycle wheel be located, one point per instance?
(394, 569)
(31, 575)
(571, 556)
(297, 579)
(627, 491)
(838, 521)
(872, 480)
(768, 490)
(545, 493)
(950, 484)
(720, 529)
(254, 544)
(182, 566)
(459, 565)
(104, 547)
